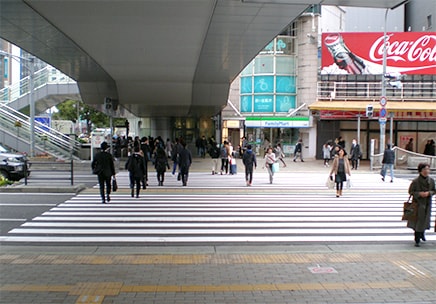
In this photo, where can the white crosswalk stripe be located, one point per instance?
(219, 209)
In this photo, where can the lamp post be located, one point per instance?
(382, 120)
(32, 107)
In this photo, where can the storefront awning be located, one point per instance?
(360, 106)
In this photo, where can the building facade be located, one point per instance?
(325, 102)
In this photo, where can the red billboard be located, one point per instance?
(362, 53)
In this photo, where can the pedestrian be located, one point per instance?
(422, 189)
(103, 166)
(224, 158)
(249, 161)
(388, 162)
(203, 146)
(409, 146)
(278, 151)
(175, 157)
(185, 161)
(298, 151)
(265, 145)
(355, 154)
(198, 146)
(340, 169)
(127, 126)
(169, 148)
(136, 166)
(145, 148)
(161, 164)
(429, 148)
(341, 142)
(214, 152)
(270, 159)
(326, 153)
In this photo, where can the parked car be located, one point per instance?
(13, 166)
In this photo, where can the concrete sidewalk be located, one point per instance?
(238, 273)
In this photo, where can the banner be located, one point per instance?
(362, 53)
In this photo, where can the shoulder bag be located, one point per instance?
(410, 210)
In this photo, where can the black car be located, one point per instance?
(13, 166)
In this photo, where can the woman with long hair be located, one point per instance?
(270, 159)
(340, 169)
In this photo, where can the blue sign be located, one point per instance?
(263, 84)
(246, 85)
(285, 102)
(383, 112)
(45, 121)
(246, 103)
(263, 103)
(285, 84)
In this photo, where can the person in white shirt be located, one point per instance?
(270, 159)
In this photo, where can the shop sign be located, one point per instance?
(362, 53)
(272, 122)
(398, 115)
(233, 124)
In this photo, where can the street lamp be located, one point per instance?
(31, 69)
(382, 120)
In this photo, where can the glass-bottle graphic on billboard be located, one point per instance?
(342, 56)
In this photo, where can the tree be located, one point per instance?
(93, 117)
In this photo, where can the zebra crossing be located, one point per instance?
(220, 209)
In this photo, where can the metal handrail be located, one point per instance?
(47, 75)
(45, 136)
(401, 159)
(54, 165)
(372, 90)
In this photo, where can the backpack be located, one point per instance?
(223, 152)
(133, 163)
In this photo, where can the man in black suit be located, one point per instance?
(103, 166)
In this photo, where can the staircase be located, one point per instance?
(51, 87)
(15, 132)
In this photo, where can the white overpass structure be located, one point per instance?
(157, 57)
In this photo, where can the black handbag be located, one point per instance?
(114, 185)
(410, 210)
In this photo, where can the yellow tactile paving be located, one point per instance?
(102, 289)
(90, 299)
(197, 259)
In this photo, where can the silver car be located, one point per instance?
(13, 166)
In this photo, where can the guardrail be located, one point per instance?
(50, 167)
(404, 159)
(47, 75)
(372, 90)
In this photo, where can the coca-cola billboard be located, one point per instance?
(362, 53)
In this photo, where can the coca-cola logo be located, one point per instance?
(422, 49)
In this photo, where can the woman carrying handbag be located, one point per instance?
(340, 169)
(421, 189)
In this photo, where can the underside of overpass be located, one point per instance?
(159, 58)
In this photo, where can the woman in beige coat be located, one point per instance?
(340, 168)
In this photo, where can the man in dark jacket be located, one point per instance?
(103, 166)
(145, 148)
(185, 161)
(388, 163)
(136, 167)
(249, 160)
(355, 154)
